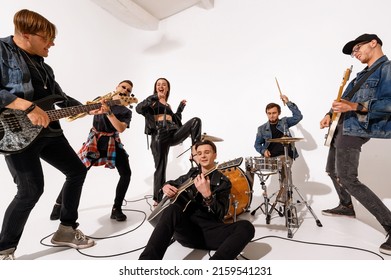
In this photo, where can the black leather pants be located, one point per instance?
(160, 146)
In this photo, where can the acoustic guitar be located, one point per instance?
(167, 201)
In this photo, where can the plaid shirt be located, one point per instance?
(89, 153)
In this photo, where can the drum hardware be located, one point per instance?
(290, 211)
(264, 167)
(205, 136)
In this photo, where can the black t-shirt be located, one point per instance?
(102, 124)
(277, 149)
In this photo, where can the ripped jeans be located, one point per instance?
(342, 167)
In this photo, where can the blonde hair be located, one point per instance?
(30, 22)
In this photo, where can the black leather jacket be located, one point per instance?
(145, 108)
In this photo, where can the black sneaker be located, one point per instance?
(55, 215)
(385, 248)
(340, 210)
(117, 214)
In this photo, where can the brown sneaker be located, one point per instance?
(7, 254)
(68, 236)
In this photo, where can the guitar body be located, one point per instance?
(16, 130)
(182, 199)
(332, 129)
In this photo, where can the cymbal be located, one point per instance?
(284, 140)
(205, 136)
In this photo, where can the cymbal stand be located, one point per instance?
(291, 220)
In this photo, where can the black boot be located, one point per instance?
(55, 215)
(117, 214)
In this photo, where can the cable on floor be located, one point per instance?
(317, 244)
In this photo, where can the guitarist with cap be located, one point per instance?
(365, 109)
(195, 219)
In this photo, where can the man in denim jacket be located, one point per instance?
(25, 80)
(277, 128)
(366, 115)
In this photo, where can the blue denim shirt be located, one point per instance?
(264, 132)
(15, 78)
(375, 94)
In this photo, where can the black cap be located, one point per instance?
(348, 48)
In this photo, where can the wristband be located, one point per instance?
(30, 109)
(208, 200)
(360, 107)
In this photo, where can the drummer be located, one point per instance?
(277, 127)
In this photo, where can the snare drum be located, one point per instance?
(241, 194)
(265, 166)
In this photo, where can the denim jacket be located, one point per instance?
(374, 94)
(15, 78)
(264, 132)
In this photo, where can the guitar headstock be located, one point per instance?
(231, 163)
(346, 75)
(128, 100)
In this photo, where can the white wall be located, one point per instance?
(224, 62)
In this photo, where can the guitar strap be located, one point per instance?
(361, 81)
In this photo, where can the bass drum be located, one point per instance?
(241, 194)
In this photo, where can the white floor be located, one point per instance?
(338, 247)
(339, 238)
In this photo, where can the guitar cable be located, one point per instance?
(242, 256)
(316, 244)
(42, 241)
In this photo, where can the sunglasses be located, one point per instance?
(127, 89)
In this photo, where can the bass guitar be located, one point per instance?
(17, 132)
(336, 116)
(167, 201)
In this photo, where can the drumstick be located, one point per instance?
(280, 91)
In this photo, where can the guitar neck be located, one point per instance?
(57, 114)
(191, 181)
(344, 80)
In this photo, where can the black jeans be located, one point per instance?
(199, 232)
(124, 171)
(342, 165)
(160, 147)
(26, 170)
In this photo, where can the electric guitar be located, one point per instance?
(336, 116)
(17, 132)
(167, 201)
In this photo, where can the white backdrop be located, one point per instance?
(224, 62)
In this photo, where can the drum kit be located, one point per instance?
(264, 167)
(242, 183)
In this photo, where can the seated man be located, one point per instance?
(201, 224)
